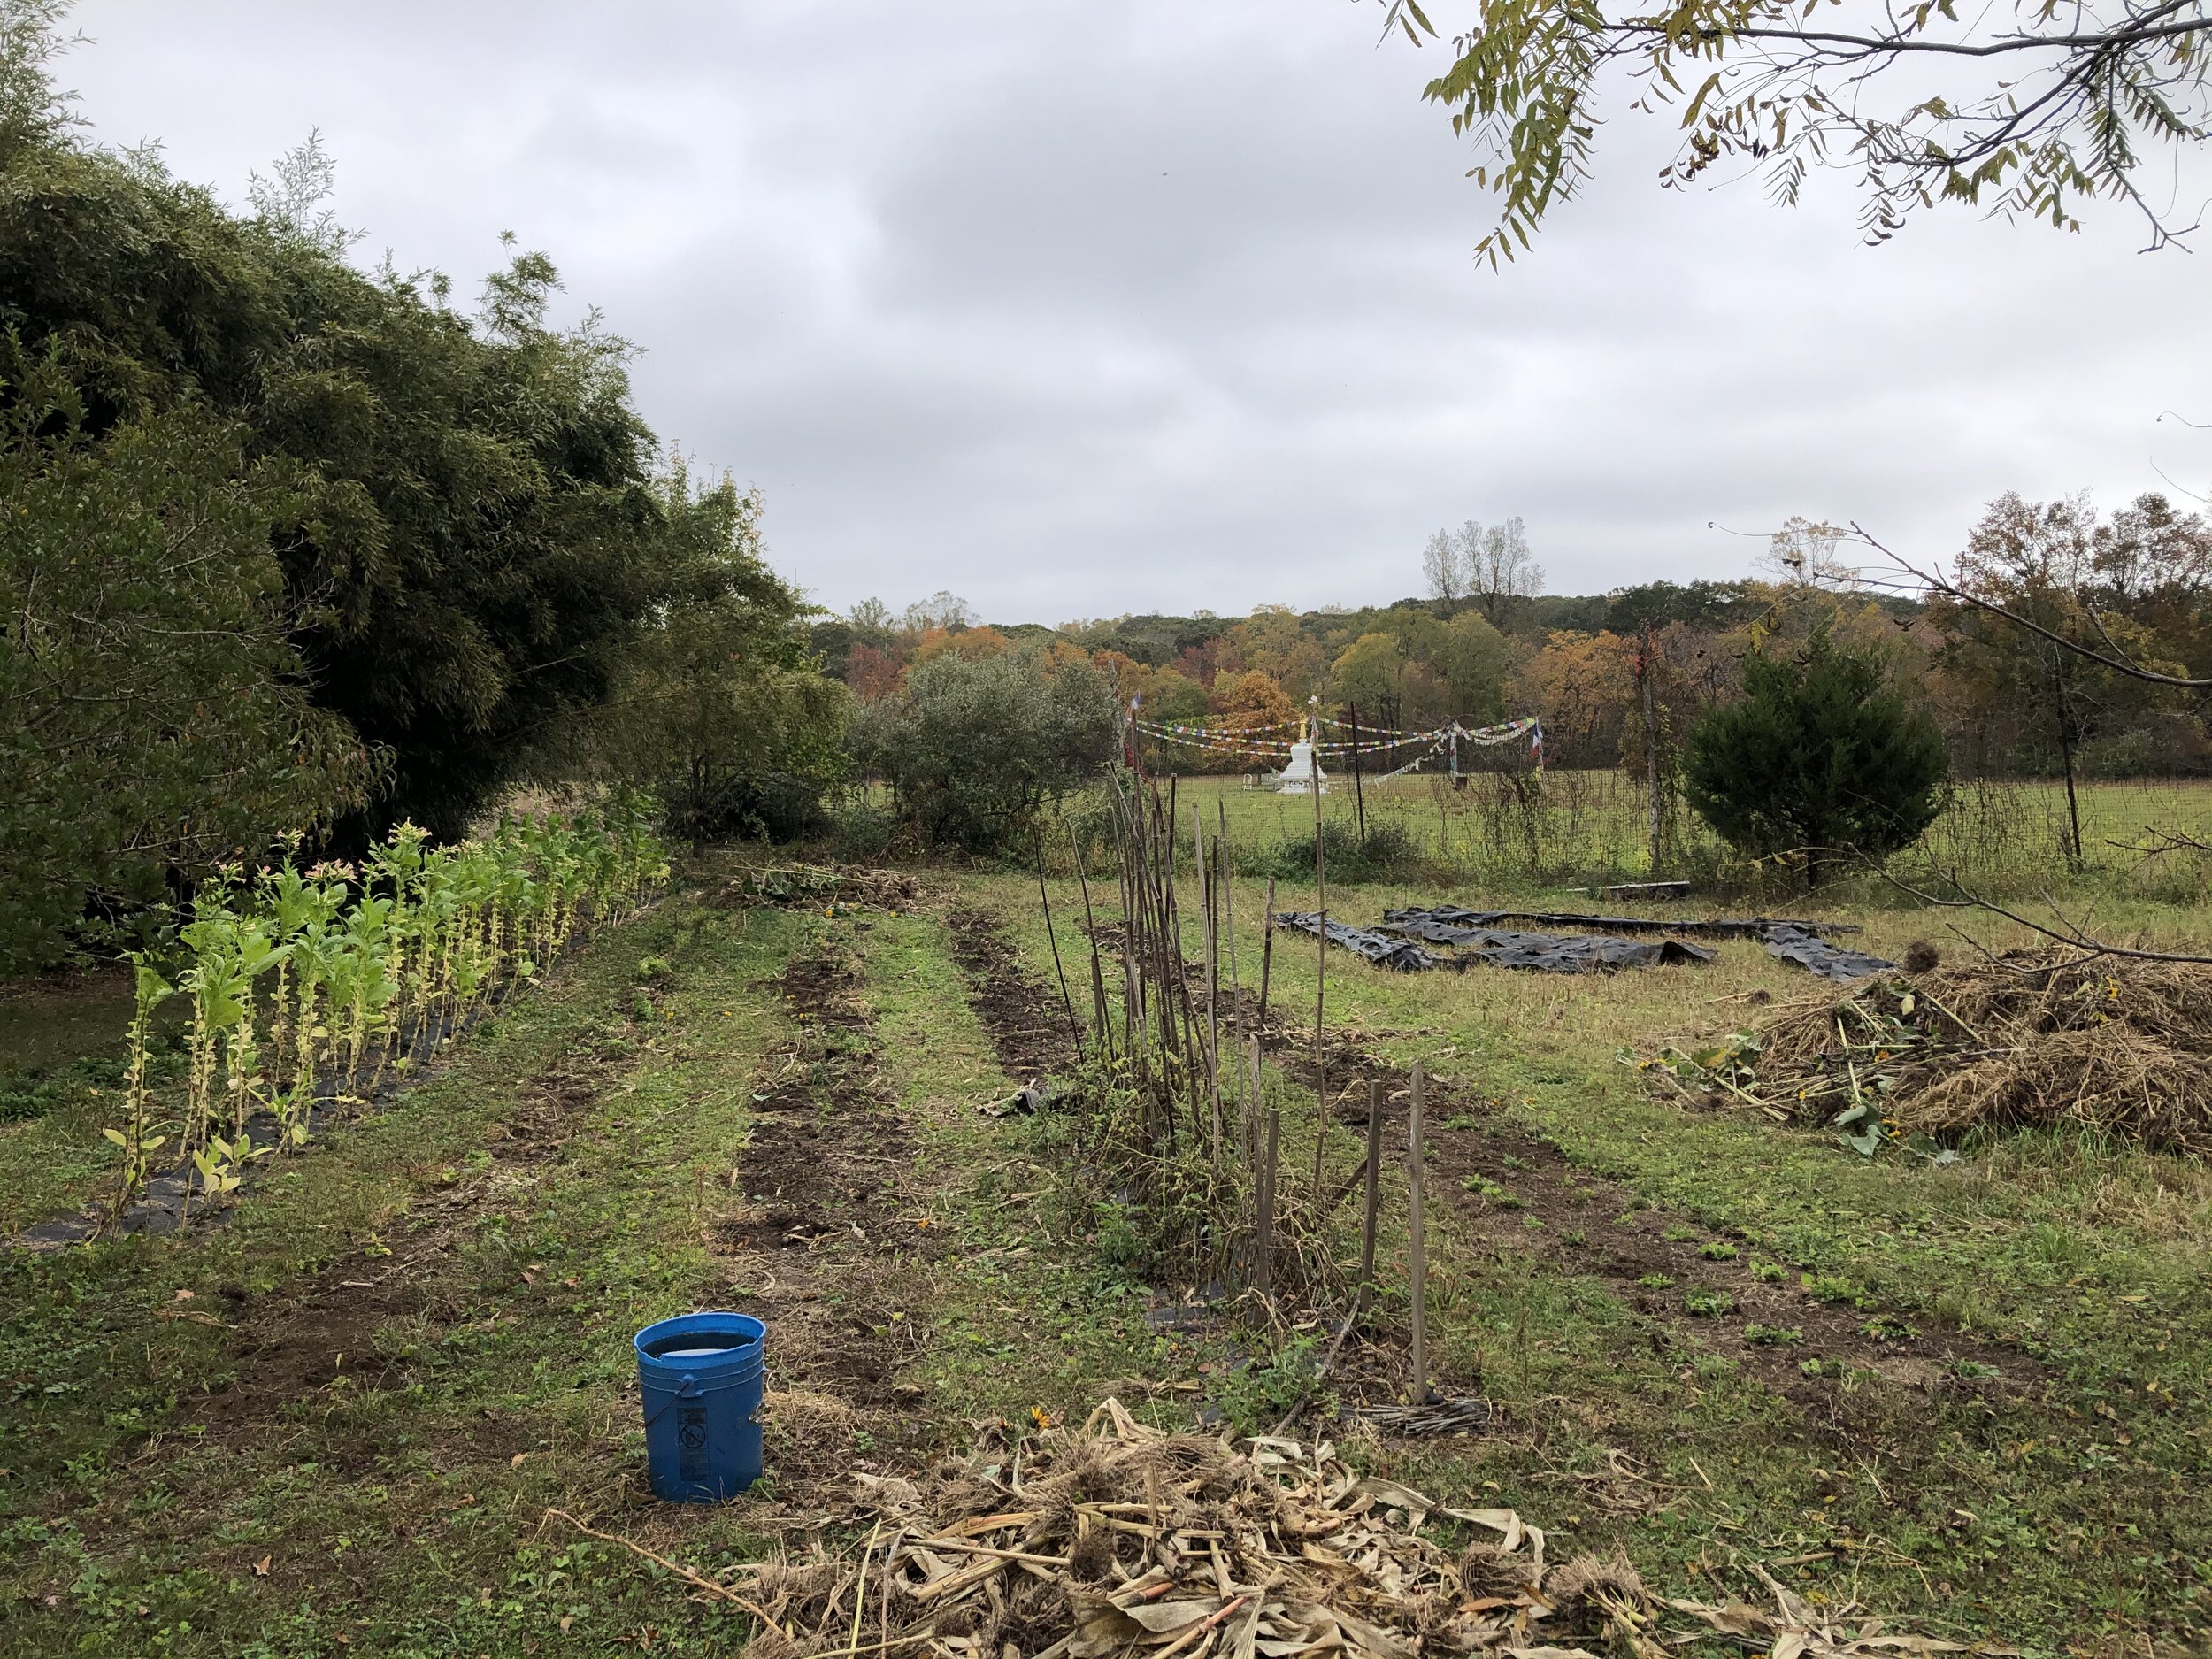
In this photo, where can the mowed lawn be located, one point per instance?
(355, 1417)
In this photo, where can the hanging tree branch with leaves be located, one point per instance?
(2048, 102)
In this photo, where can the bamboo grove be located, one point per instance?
(310, 991)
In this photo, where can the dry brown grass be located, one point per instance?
(2047, 1039)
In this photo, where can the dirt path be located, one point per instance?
(1497, 1178)
(296, 1345)
(1024, 1018)
(826, 1240)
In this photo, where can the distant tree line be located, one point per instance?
(1612, 675)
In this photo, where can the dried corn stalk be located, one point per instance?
(1116, 1538)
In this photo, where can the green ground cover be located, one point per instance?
(409, 1346)
(2066, 1518)
(1593, 826)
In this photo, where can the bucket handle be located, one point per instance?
(691, 1389)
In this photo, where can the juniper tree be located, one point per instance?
(1821, 759)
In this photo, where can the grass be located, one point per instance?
(210, 1474)
(1591, 826)
(2064, 1518)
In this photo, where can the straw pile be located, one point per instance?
(1121, 1538)
(2120, 1047)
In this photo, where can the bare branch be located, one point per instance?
(2066, 934)
(1936, 582)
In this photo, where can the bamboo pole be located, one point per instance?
(1359, 791)
(1225, 854)
(1371, 1209)
(1267, 956)
(1075, 1031)
(1105, 1041)
(1266, 1244)
(1320, 966)
(1417, 1257)
(1213, 978)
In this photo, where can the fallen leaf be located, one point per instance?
(261, 1567)
(182, 1296)
(516, 1461)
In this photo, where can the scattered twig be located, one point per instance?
(697, 1581)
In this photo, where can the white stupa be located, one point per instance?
(1304, 771)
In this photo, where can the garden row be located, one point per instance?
(306, 987)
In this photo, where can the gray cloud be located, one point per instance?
(1078, 310)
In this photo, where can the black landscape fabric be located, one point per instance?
(1818, 956)
(1380, 948)
(1393, 945)
(1422, 923)
(1502, 947)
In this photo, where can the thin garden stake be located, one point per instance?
(1213, 978)
(1320, 967)
(1266, 1251)
(1359, 792)
(1373, 1206)
(1075, 1031)
(1267, 952)
(1090, 929)
(1252, 1062)
(1417, 1258)
(1229, 916)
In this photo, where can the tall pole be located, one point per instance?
(1417, 1254)
(1321, 958)
(1359, 792)
(1651, 744)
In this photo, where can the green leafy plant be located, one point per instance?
(1708, 1305)
(1501, 1197)
(1772, 1335)
(1831, 1290)
(367, 969)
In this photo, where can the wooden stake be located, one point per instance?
(1267, 954)
(1253, 1061)
(1213, 978)
(1417, 1257)
(1320, 968)
(1373, 1207)
(1266, 1242)
(1227, 860)
(1359, 793)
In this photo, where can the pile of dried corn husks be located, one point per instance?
(1120, 1539)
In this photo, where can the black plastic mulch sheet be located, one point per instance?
(1422, 924)
(1502, 947)
(1380, 948)
(1818, 956)
(1797, 943)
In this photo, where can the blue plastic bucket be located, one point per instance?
(701, 1376)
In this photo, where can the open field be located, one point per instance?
(409, 1345)
(1593, 826)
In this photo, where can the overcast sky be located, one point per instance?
(1084, 309)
